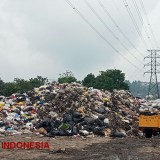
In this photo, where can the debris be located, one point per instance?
(42, 131)
(70, 109)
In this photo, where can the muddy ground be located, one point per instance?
(78, 148)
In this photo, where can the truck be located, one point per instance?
(149, 124)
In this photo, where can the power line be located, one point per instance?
(135, 73)
(147, 19)
(94, 29)
(134, 22)
(141, 20)
(120, 30)
(108, 28)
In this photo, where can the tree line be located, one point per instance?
(20, 85)
(107, 80)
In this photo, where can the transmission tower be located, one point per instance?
(153, 84)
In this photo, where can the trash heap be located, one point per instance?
(70, 109)
(150, 107)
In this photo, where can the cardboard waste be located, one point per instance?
(69, 109)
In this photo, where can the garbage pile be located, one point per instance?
(152, 107)
(70, 109)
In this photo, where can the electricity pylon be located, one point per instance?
(153, 84)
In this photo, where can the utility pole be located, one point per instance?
(153, 84)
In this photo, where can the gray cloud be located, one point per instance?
(46, 38)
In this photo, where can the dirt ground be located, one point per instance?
(78, 148)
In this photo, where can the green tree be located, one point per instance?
(108, 80)
(103, 82)
(9, 88)
(26, 85)
(37, 82)
(67, 77)
(2, 84)
(21, 85)
(111, 79)
(89, 80)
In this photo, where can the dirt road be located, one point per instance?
(77, 148)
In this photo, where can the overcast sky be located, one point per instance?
(47, 37)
